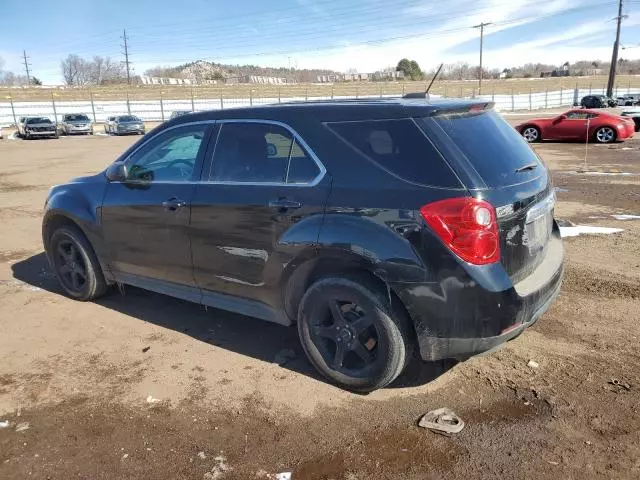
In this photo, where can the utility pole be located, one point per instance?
(126, 56)
(614, 55)
(26, 66)
(481, 27)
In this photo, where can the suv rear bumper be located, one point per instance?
(460, 318)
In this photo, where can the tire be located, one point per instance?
(531, 134)
(605, 135)
(78, 270)
(374, 337)
(26, 136)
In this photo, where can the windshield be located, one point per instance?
(492, 146)
(38, 120)
(128, 118)
(77, 118)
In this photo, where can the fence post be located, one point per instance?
(331, 92)
(13, 112)
(546, 96)
(306, 94)
(513, 107)
(445, 89)
(55, 113)
(460, 91)
(493, 94)
(221, 102)
(381, 90)
(279, 96)
(128, 105)
(561, 95)
(93, 108)
(629, 88)
(404, 86)
(357, 92)
(473, 92)
(251, 96)
(161, 107)
(193, 107)
(589, 89)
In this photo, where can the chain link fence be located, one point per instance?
(156, 106)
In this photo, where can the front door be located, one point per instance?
(261, 207)
(574, 127)
(145, 218)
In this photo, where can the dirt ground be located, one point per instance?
(143, 386)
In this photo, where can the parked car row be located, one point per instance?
(602, 101)
(76, 124)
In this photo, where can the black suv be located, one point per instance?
(597, 101)
(380, 228)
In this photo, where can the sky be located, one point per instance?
(365, 35)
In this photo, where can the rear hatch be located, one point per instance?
(495, 163)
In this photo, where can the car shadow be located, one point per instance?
(255, 338)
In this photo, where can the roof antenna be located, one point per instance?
(426, 93)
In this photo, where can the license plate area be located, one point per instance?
(539, 224)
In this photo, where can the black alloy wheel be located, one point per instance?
(75, 264)
(352, 335)
(70, 266)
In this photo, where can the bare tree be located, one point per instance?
(71, 67)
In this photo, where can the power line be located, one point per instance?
(126, 56)
(26, 66)
(481, 27)
(614, 55)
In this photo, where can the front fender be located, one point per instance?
(80, 203)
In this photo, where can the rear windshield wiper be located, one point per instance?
(529, 166)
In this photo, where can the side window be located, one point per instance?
(260, 152)
(171, 156)
(577, 116)
(398, 147)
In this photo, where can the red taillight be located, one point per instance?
(467, 226)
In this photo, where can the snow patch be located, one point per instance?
(626, 217)
(587, 230)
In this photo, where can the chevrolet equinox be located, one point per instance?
(380, 228)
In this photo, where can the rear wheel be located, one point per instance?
(531, 134)
(75, 264)
(605, 135)
(352, 334)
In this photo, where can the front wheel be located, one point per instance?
(352, 334)
(75, 264)
(605, 135)
(531, 134)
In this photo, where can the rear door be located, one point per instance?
(497, 165)
(259, 206)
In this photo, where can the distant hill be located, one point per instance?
(203, 70)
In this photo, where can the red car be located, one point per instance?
(572, 125)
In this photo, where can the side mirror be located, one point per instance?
(559, 119)
(272, 151)
(117, 172)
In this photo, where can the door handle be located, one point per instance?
(173, 204)
(285, 204)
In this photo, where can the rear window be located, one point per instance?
(492, 146)
(400, 148)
